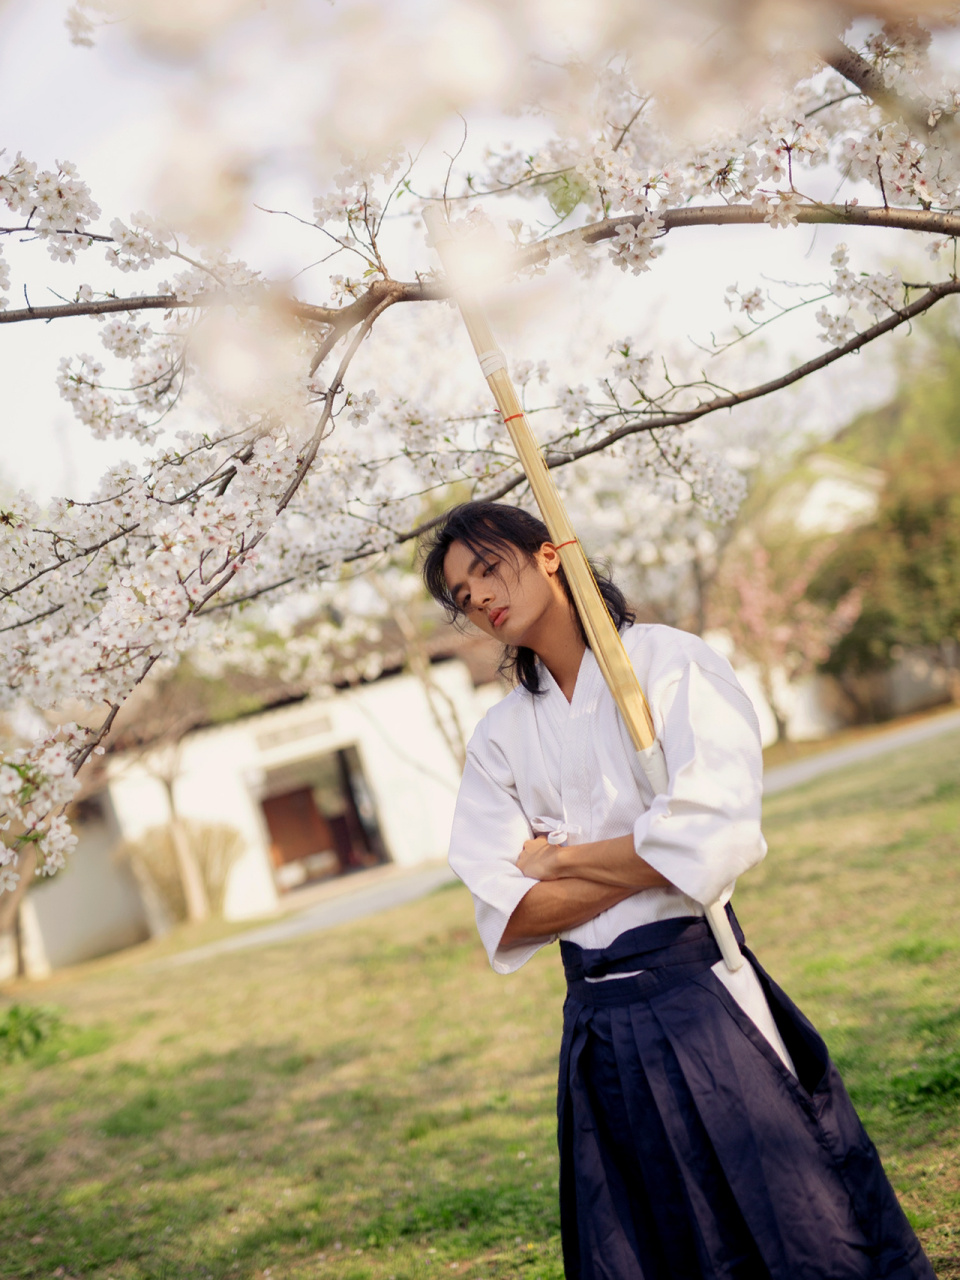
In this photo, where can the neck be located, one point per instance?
(560, 647)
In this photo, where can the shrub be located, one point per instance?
(215, 846)
(25, 1029)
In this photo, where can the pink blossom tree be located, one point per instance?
(761, 602)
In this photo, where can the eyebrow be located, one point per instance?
(455, 591)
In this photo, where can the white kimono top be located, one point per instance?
(540, 763)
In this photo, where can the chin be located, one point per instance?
(512, 638)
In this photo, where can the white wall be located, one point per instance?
(213, 786)
(88, 909)
(411, 771)
(809, 705)
(917, 681)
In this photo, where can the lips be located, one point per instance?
(496, 616)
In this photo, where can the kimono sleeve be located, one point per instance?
(704, 831)
(489, 828)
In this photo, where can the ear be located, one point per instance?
(549, 558)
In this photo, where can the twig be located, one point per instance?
(85, 752)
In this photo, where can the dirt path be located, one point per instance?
(785, 776)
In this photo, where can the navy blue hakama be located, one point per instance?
(688, 1151)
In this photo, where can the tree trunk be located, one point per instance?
(10, 903)
(11, 899)
(782, 729)
(766, 683)
(864, 710)
(449, 726)
(194, 890)
(159, 918)
(701, 582)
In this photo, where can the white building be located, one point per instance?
(316, 788)
(829, 496)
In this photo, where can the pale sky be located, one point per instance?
(107, 109)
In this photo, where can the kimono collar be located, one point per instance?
(588, 665)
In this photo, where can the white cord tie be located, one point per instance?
(555, 830)
(491, 361)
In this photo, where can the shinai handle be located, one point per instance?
(605, 642)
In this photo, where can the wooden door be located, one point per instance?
(297, 827)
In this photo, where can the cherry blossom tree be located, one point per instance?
(277, 454)
(760, 600)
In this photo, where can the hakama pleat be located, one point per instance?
(688, 1150)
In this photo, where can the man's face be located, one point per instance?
(507, 596)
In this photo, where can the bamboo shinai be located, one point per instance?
(605, 642)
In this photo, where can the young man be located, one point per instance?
(703, 1131)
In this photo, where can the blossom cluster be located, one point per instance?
(97, 592)
(751, 301)
(355, 198)
(139, 246)
(55, 204)
(631, 367)
(877, 292)
(634, 248)
(324, 641)
(628, 163)
(36, 784)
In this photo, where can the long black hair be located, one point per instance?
(492, 528)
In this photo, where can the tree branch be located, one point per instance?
(893, 321)
(859, 72)
(335, 386)
(37, 617)
(851, 215)
(342, 319)
(729, 401)
(7, 593)
(83, 754)
(59, 311)
(225, 575)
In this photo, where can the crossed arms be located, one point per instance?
(575, 884)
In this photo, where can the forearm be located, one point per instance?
(611, 863)
(552, 906)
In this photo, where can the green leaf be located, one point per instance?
(565, 192)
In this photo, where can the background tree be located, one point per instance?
(905, 559)
(760, 600)
(905, 565)
(275, 449)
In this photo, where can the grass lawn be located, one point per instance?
(372, 1102)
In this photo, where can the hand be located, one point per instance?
(612, 861)
(538, 859)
